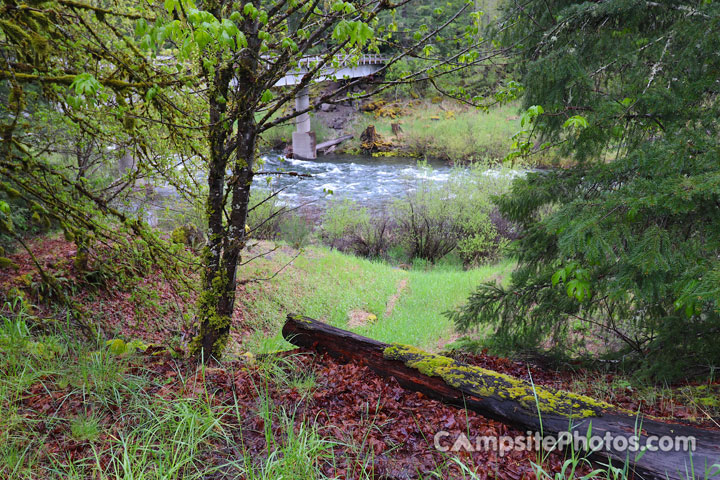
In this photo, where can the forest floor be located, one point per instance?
(97, 409)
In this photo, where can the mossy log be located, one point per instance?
(516, 402)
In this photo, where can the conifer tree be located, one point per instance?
(627, 240)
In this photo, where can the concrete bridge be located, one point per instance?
(303, 138)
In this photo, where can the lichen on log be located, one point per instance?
(487, 383)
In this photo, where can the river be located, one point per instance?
(372, 182)
(369, 181)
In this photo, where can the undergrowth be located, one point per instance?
(74, 409)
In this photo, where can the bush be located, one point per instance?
(426, 223)
(351, 228)
(431, 221)
(435, 218)
(341, 218)
(264, 215)
(372, 238)
(295, 230)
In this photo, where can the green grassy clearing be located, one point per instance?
(449, 131)
(417, 318)
(327, 285)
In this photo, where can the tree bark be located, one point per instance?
(516, 402)
(211, 309)
(231, 147)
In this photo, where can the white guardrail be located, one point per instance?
(342, 60)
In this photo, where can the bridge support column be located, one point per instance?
(303, 138)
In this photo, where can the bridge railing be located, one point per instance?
(342, 60)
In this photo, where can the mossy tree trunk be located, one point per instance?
(232, 147)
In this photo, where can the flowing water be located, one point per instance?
(372, 182)
(369, 181)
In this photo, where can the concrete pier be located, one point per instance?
(303, 138)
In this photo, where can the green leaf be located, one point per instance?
(240, 40)
(86, 84)
(202, 38)
(576, 121)
(531, 114)
(289, 44)
(267, 96)
(152, 92)
(141, 27)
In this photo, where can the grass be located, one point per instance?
(449, 131)
(64, 417)
(327, 285)
(85, 428)
(320, 283)
(85, 395)
(417, 318)
(695, 402)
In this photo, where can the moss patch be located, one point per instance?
(487, 383)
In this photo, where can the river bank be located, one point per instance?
(435, 129)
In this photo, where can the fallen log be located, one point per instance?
(326, 147)
(525, 406)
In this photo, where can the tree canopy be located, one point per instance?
(183, 91)
(626, 240)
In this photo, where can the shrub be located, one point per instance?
(435, 218)
(426, 223)
(341, 218)
(264, 214)
(432, 220)
(372, 238)
(295, 230)
(351, 228)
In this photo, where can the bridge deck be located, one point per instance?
(344, 67)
